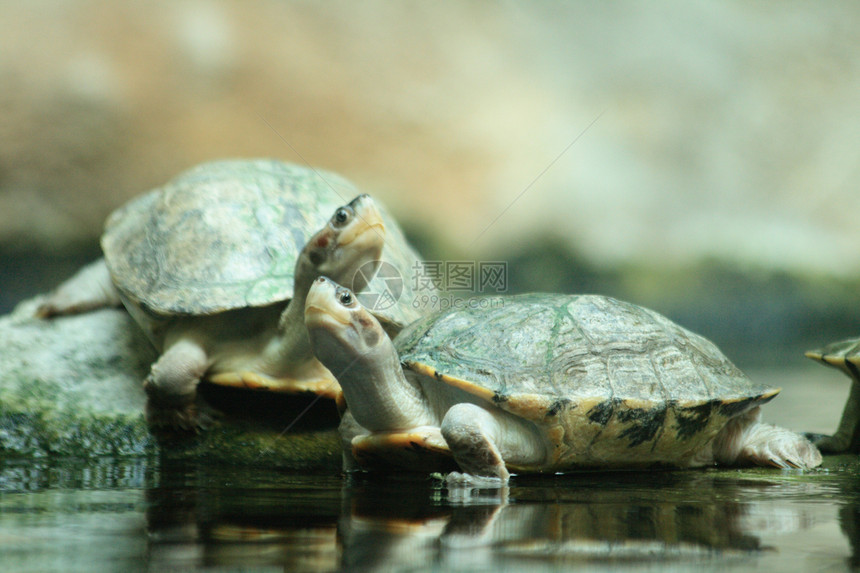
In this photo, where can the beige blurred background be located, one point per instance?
(698, 157)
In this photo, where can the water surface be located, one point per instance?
(144, 514)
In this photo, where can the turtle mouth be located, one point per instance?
(321, 309)
(369, 232)
(368, 228)
(319, 316)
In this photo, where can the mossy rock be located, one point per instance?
(71, 387)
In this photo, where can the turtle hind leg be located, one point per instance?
(89, 289)
(745, 440)
(171, 389)
(847, 436)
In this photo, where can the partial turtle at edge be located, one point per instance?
(844, 355)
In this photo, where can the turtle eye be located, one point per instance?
(346, 298)
(341, 216)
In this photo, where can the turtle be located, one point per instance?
(206, 265)
(539, 383)
(844, 355)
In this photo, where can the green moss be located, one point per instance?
(38, 434)
(243, 444)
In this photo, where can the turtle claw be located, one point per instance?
(793, 464)
(463, 488)
(457, 480)
(784, 456)
(786, 464)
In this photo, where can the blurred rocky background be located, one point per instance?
(700, 158)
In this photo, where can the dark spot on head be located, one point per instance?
(370, 334)
(371, 338)
(316, 258)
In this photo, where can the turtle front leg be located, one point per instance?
(470, 432)
(746, 440)
(89, 289)
(480, 442)
(171, 387)
(847, 436)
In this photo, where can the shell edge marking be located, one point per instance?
(732, 408)
(464, 385)
(557, 406)
(642, 423)
(602, 412)
(692, 418)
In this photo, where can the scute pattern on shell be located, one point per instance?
(220, 236)
(608, 381)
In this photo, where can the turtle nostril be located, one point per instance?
(359, 199)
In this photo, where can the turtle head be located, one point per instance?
(349, 247)
(341, 331)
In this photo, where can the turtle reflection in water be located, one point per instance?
(646, 522)
(542, 383)
(214, 266)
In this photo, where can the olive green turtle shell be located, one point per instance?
(225, 235)
(607, 381)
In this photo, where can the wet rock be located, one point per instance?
(72, 387)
